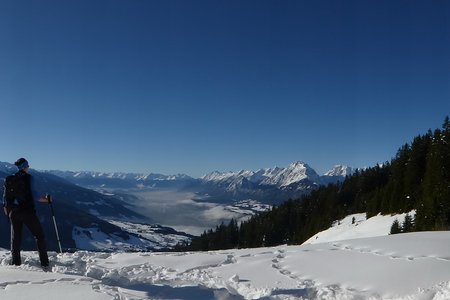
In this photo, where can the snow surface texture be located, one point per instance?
(357, 226)
(414, 266)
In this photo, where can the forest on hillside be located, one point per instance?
(418, 177)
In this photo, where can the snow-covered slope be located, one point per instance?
(413, 266)
(133, 237)
(357, 226)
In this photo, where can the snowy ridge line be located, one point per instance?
(277, 176)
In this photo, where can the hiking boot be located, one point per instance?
(46, 268)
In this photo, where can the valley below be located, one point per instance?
(186, 211)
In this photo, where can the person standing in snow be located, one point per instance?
(18, 205)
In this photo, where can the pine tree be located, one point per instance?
(445, 141)
(397, 197)
(408, 225)
(415, 170)
(433, 209)
(395, 228)
(417, 178)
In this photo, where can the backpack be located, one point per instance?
(15, 191)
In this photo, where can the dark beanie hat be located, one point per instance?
(22, 163)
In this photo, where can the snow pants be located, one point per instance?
(30, 219)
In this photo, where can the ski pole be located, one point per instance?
(50, 202)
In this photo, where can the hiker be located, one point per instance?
(18, 204)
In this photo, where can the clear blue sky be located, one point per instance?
(196, 86)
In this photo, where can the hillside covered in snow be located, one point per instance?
(414, 266)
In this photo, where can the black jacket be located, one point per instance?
(18, 192)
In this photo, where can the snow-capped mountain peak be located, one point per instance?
(218, 176)
(294, 173)
(339, 170)
(279, 177)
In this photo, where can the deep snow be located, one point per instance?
(414, 266)
(358, 226)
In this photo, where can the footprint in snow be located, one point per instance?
(65, 279)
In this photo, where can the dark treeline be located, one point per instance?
(418, 177)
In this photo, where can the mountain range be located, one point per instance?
(89, 206)
(269, 185)
(294, 176)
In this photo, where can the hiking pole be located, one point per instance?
(50, 202)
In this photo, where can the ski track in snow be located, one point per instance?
(328, 271)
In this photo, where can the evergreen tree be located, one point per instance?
(445, 141)
(395, 228)
(408, 224)
(433, 211)
(396, 198)
(417, 178)
(415, 170)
